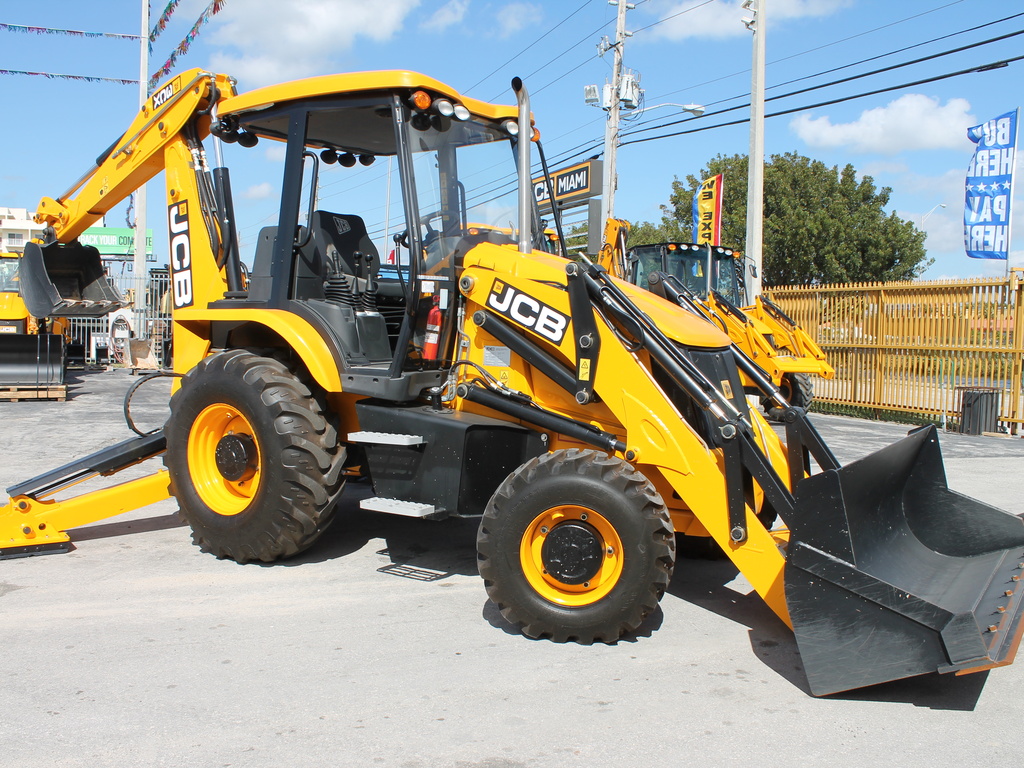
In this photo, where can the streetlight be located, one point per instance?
(593, 96)
(933, 210)
(694, 109)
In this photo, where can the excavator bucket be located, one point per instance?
(35, 360)
(60, 280)
(889, 574)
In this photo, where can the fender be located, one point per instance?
(299, 334)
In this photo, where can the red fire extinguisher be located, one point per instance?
(433, 335)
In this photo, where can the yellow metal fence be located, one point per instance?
(918, 347)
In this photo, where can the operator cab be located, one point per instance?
(699, 267)
(414, 173)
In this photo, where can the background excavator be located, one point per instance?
(33, 353)
(712, 277)
(583, 420)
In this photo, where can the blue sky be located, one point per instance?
(911, 139)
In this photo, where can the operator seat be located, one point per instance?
(331, 249)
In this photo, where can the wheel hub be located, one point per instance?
(236, 457)
(572, 552)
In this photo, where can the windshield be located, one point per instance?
(466, 184)
(691, 264)
(8, 275)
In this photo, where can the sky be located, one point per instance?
(910, 138)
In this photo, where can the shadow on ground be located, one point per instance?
(704, 582)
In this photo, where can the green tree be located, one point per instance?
(821, 225)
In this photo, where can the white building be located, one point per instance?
(16, 229)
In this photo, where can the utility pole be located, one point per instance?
(611, 128)
(139, 267)
(755, 172)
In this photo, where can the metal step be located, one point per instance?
(385, 438)
(397, 507)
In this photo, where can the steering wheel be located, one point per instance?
(430, 234)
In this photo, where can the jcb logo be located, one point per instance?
(528, 311)
(181, 255)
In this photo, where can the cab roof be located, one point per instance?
(354, 83)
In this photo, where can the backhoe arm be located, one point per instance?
(138, 155)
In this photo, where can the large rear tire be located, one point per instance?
(576, 545)
(253, 462)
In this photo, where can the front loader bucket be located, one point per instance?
(31, 360)
(889, 574)
(58, 280)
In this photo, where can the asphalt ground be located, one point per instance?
(378, 646)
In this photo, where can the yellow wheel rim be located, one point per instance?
(223, 496)
(548, 585)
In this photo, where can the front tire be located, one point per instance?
(797, 388)
(252, 460)
(576, 545)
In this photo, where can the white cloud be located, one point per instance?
(448, 14)
(880, 167)
(275, 152)
(723, 19)
(913, 121)
(267, 41)
(516, 16)
(259, 191)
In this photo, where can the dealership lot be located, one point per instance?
(379, 647)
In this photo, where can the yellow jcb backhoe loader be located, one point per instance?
(712, 275)
(583, 420)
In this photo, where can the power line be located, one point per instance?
(812, 50)
(851, 78)
(983, 68)
(524, 50)
(669, 18)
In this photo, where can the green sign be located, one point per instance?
(116, 241)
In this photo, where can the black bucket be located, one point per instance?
(60, 280)
(889, 574)
(31, 360)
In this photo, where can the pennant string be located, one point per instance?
(55, 76)
(65, 32)
(161, 23)
(211, 10)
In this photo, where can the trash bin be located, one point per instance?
(979, 410)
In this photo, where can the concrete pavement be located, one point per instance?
(379, 647)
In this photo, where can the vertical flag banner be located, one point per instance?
(989, 188)
(707, 212)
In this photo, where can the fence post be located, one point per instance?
(1016, 287)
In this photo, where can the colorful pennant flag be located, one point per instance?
(211, 10)
(55, 76)
(161, 23)
(66, 32)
